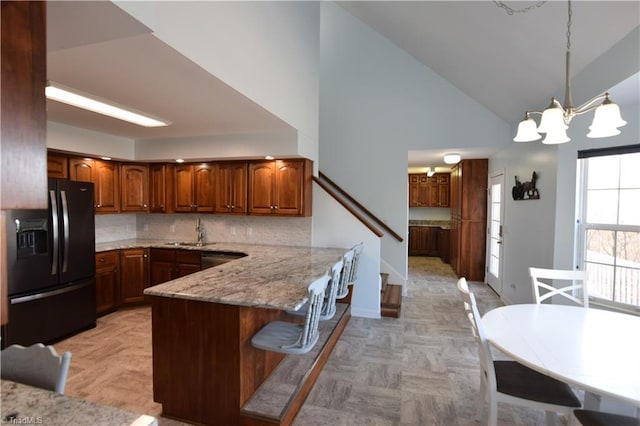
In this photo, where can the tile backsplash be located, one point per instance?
(294, 231)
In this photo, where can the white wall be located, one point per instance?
(529, 225)
(376, 103)
(278, 144)
(268, 51)
(73, 139)
(333, 226)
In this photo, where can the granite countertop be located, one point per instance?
(444, 224)
(273, 277)
(23, 404)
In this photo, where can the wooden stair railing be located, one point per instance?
(347, 206)
(330, 186)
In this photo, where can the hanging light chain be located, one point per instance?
(511, 10)
(570, 13)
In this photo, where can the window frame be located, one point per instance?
(583, 226)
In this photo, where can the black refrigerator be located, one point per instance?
(51, 266)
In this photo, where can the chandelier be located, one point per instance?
(556, 118)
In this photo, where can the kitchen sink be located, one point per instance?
(188, 244)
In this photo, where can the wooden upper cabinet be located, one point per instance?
(82, 169)
(134, 187)
(160, 186)
(261, 187)
(183, 193)
(194, 188)
(105, 177)
(107, 187)
(289, 187)
(57, 166)
(204, 187)
(425, 191)
(281, 187)
(231, 187)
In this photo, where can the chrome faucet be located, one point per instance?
(199, 232)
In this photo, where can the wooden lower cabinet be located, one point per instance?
(107, 282)
(424, 241)
(169, 264)
(444, 245)
(204, 366)
(134, 274)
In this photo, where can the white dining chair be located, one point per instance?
(355, 263)
(330, 295)
(294, 338)
(511, 382)
(600, 418)
(576, 291)
(343, 286)
(36, 365)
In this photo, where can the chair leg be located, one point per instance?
(482, 397)
(493, 413)
(552, 418)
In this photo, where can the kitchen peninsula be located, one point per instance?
(204, 366)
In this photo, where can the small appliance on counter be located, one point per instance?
(51, 266)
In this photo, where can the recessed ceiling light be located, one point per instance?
(269, 157)
(179, 160)
(62, 94)
(106, 158)
(452, 158)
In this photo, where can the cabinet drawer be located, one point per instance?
(106, 258)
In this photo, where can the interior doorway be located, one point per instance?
(495, 216)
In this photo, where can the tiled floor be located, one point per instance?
(420, 369)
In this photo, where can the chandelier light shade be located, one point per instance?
(556, 118)
(527, 130)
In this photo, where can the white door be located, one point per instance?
(494, 241)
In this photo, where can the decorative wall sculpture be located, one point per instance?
(526, 189)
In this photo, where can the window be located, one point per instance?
(609, 221)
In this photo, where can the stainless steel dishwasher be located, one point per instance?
(216, 258)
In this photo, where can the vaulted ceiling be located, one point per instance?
(508, 63)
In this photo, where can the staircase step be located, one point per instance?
(391, 303)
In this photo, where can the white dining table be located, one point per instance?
(592, 349)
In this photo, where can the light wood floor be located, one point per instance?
(419, 369)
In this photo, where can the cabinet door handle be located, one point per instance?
(144, 205)
(102, 259)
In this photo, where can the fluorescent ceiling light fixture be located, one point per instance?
(179, 160)
(106, 158)
(62, 94)
(452, 158)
